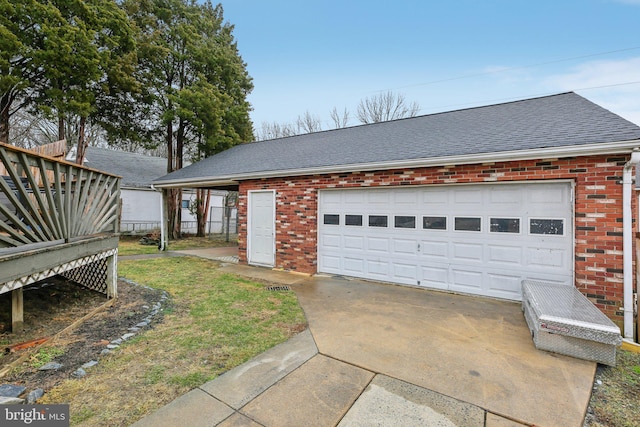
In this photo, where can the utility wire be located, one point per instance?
(514, 98)
(520, 67)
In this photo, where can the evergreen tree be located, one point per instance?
(196, 81)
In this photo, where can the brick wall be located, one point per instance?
(598, 212)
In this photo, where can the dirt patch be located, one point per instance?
(55, 305)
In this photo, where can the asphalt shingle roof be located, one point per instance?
(136, 170)
(565, 119)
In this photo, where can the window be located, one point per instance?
(353, 220)
(185, 204)
(378, 221)
(434, 222)
(546, 226)
(505, 225)
(405, 222)
(467, 224)
(331, 219)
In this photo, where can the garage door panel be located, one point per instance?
(546, 196)
(468, 197)
(466, 280)
(330, 241)
(378, 269)
(546, 257)
(434, 250)
(467, 251)
(331, 263)
(378, 244)
(435, 277)
(435, 197)
(354, 242)
(406, 272)
(382, 197)
(406, 198)
(404, 246)
(505, 196)
(331, 199)
(510, 255)
(355, 198)
(508, 284)
(490, 261)
(353, 265)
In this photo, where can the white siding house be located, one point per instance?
(141, 204)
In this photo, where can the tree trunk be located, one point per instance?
(174, 202)
(61, 135)
(203, 198)
(5, 105)
(82, 146)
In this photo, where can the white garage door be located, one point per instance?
(478, 239)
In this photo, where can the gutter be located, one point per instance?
(627, 243)
(609, 148)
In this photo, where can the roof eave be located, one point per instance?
(610, 148)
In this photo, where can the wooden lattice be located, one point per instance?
(92, 275)
(90, 271)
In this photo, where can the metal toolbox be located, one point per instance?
(564, 321)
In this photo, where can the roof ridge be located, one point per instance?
(417, 117)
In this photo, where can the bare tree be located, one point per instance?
(339, 119)
(384, 107)
(308, 123)
(275, 130)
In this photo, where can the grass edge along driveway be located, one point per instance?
(213, 323)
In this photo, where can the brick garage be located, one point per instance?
(598, 213)
(562, 138)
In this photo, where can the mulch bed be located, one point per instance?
(55, 305)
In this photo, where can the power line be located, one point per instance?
(520, 67)
(514, 98)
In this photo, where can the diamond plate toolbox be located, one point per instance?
(564, 321)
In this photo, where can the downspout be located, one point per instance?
(162, 236)
(627, 243)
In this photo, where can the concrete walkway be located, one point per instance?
(386, 355)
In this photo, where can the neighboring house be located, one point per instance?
(141, 205)
(471, 201)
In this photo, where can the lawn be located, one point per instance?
(130, 245)
(213, 323)
(616, 396)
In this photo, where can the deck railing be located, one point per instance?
(56, 218)
(46, 200)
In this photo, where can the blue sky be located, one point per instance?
(444, 55)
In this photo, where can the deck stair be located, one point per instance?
(562, 320)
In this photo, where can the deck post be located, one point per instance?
(112, 279)
(17, 310)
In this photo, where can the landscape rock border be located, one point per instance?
(8, 391)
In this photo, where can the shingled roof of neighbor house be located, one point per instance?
(533, 128)
(136, 170)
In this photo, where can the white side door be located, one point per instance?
(261, 228)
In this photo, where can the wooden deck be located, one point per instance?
(56, 218)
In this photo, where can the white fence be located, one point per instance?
(217, 223)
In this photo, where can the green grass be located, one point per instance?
(130, 245)
(615, 401)
(214, 322)
(44, 355)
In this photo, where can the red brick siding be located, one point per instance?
(598, 212)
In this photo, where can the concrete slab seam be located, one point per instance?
(359, 395)
(244, 415)
(507, 417)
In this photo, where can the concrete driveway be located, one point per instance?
(380, 354)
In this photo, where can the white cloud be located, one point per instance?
(613, 84)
